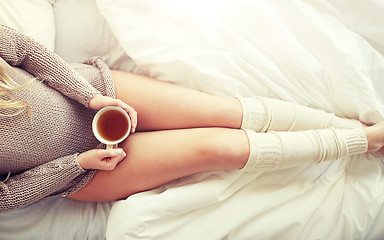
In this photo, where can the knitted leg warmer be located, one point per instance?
(276, 150)
(265, 114)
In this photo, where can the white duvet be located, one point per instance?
(323, 54)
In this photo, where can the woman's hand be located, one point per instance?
(99, 101)
(101, 159)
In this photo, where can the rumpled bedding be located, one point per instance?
(56, 218)
(323, 54)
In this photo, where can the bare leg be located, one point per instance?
(161, 105)
(155, 158)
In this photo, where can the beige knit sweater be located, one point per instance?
(41, 152)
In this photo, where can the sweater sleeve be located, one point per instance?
(21, 51)
(39, 182)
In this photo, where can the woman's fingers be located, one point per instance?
(101, 159)
(99, 101)
(110, 158)
(132, 114)
(130, 110)
(102, 153)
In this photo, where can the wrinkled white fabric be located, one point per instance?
(321, 54)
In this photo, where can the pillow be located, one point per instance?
(82, 33)
(31, 17)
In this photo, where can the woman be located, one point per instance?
(47, 147)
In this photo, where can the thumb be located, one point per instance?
(111, 153)
(110, 159)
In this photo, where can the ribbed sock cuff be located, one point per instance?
(265, 151)
(355, 139)
(254, 113)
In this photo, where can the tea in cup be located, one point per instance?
(111, 125)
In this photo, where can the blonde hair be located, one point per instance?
(10, 105)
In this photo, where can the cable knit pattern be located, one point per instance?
(276, 150)
(266, 151)
(355, 139)
(266, 114)
(254, 114)
(41, 151)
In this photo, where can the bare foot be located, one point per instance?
(375, 137)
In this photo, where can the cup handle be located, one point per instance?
(110, 146)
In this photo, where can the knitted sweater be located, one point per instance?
(41, 151)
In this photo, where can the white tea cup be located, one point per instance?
(111, 125)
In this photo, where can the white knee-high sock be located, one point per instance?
(276, 150)
(265, 114)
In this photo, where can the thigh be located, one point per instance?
(162, 105)
(155, 158)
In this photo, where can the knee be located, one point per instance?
(222, 151)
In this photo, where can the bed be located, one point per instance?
(324, 54)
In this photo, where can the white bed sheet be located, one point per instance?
(56, 218)
(323, 54)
